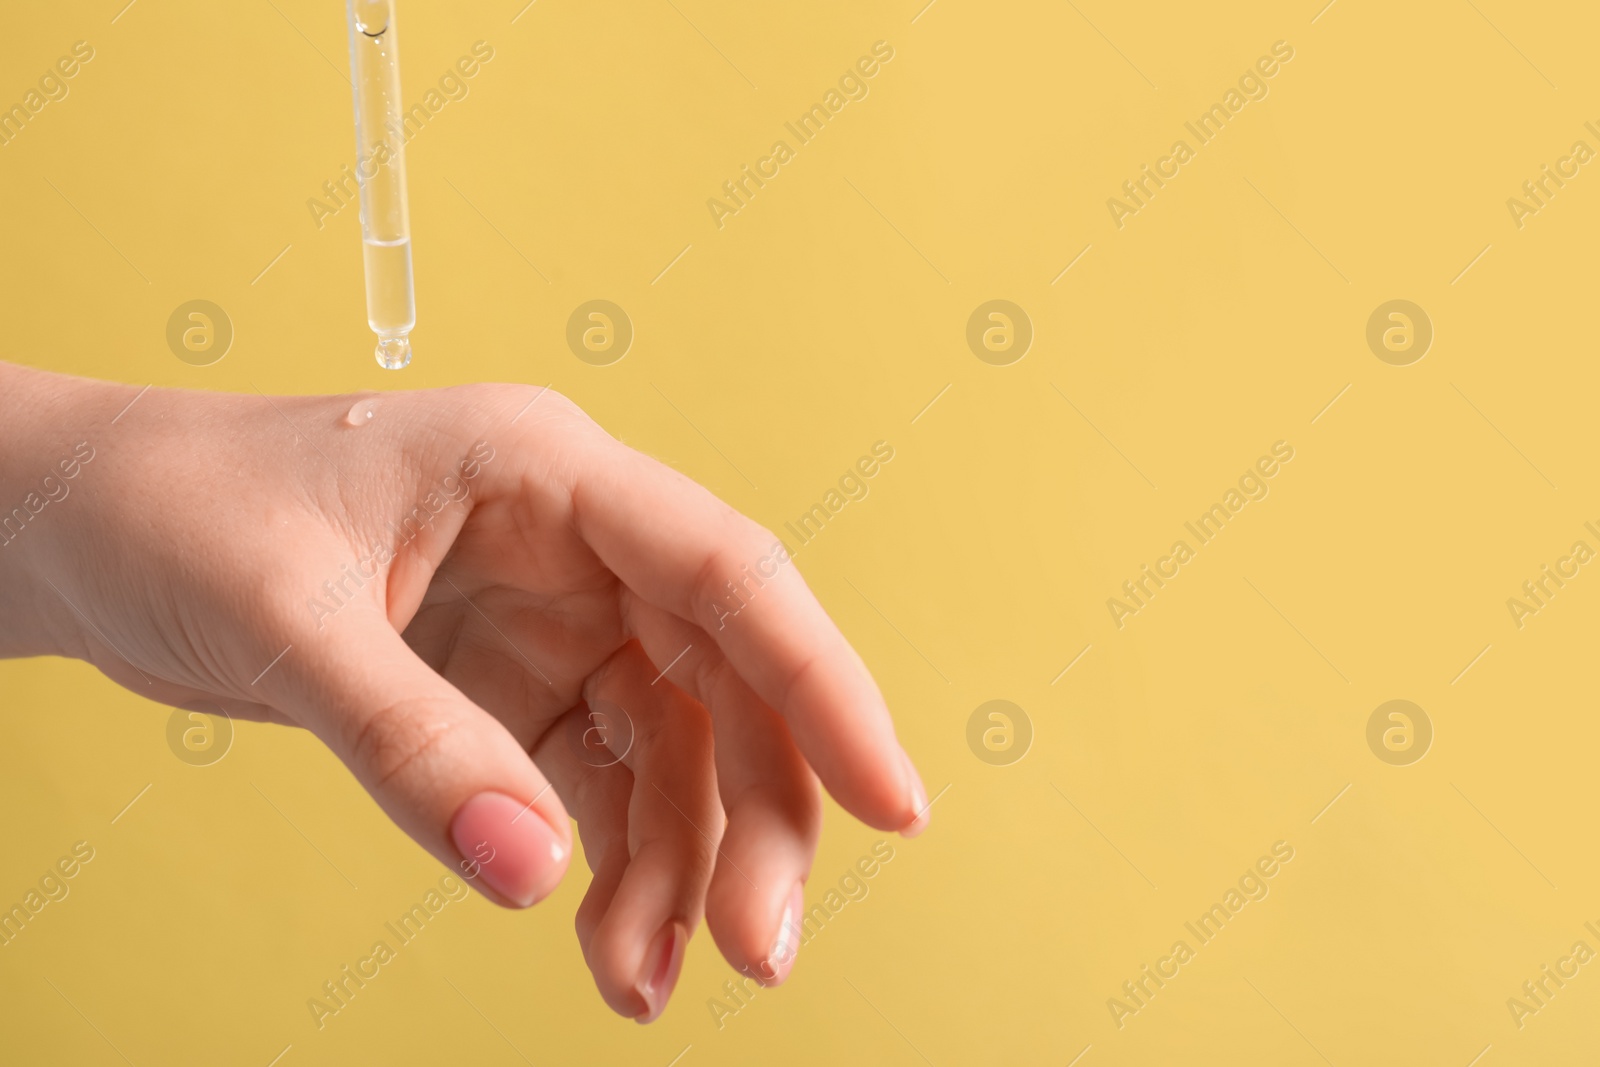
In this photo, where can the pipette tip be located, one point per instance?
(394, 353)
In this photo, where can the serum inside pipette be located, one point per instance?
(385, 225)
(391, 299)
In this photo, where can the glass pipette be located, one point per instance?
(381, 172)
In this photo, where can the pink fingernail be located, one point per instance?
(919, 801)
(780, 961)
(662, 962)
(514, 850)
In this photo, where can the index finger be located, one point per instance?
(680, 548)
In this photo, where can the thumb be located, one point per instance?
(446, 771)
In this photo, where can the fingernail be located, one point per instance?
(780, 961)
(516, 852)
(662, 962)
(919, 801)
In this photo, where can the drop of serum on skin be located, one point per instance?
(362, 413)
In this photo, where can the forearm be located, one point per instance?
(51, 427)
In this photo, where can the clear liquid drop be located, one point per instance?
(362, 413)
(394, 353)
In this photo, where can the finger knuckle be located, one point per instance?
(711, 676)
(393, 740)
(735, 567)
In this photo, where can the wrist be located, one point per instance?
(48, 429)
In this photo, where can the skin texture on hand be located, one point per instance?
(453, 595)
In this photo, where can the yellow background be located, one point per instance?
(823, 317)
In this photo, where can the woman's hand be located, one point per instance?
(493, 612)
